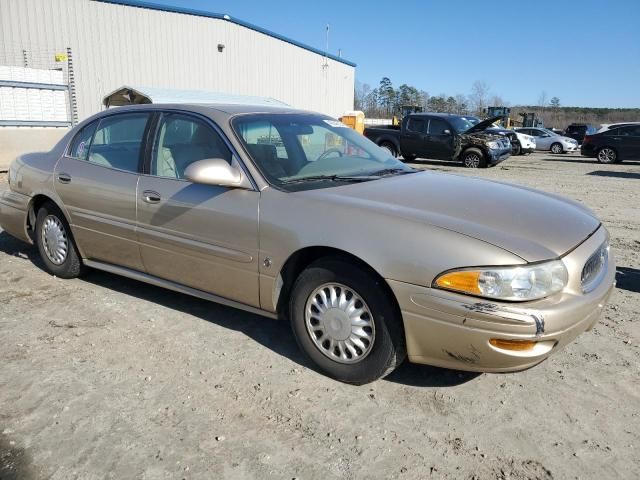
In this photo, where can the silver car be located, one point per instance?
(550, 141)
(291, 214)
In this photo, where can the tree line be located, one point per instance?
(384, 101)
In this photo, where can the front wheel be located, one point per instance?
(607, 155)
(55, 243)
(516, 149)
(556, 148)
(474, 158)
(345, 322)
(408, 158)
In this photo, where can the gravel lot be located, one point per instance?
(106, 377)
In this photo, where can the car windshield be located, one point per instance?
(462, 124)
(301, 151)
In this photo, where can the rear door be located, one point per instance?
(413, 136)
(627, 142)
(201, 236)
(97, 181)
(440, 141)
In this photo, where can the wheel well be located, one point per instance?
(34, 206)
(301, 259)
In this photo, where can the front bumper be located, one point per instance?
(497, 156)
(569, 147)
(529, 149)
(451, 330)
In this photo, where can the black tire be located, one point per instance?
(516, 149)
(607, 155)
(391, 147)
(409, 158)
(474, 158)
(556, 148)
(386, 351)
(70, 265)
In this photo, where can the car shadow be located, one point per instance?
(435, 163)
(275, 335)
(628, 279)
(605, 173)
(580, 159)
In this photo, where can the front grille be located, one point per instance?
(594, 267)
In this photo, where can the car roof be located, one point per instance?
(230, 109)
(438, 114)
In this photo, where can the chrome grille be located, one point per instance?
(594, 267)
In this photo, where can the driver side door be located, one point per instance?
(201, 236)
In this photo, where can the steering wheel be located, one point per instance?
(326, 153)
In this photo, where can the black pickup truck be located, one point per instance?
(443, 136)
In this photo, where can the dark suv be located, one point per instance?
(614, 145)
(577, 131)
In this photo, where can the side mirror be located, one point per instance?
(215, 171)
(446, 132)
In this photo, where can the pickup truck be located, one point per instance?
(443, 136)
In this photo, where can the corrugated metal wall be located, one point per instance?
(114, 45)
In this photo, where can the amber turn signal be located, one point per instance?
(517, 345)
(462, 281)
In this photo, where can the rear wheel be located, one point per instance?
(556, 148)
(390, 147)
(607, 155)
(345, 322)
(516, 149)
(474, 158)
(55, 243)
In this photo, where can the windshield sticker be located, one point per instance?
(335, 123)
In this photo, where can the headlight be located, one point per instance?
(493, 145)
(519, 283)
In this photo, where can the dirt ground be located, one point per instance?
(105, 377)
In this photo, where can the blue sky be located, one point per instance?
(585, 52)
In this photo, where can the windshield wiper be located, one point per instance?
(331, 178)
(392, 171)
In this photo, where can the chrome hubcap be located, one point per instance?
(339, 323)
(607, 155)
(54, 240)
(472, 160)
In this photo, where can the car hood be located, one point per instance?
(483, 125)
(531, 224)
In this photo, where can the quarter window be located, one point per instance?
(182, 140)
(118, 141)
(80, 146)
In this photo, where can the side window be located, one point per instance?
(118, 141)
(612, 133)
(80, 145)
(437, 126)
(535, 132)
(627, 131)
(415, 124)
(182, 140)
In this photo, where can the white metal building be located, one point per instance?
(104, 44)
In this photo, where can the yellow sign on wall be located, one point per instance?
(61, 57)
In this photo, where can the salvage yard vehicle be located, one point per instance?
(613, 145)
(550, 141)
(521, 143)
(577, 131)
(443, 136)
(291, 214)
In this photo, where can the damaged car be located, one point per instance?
(443, 136)
(290, 214)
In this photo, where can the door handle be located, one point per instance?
(150, 196)
(64, 178)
